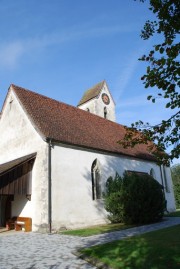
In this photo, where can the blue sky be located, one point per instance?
(60, 48)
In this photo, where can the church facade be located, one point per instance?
(55, 159)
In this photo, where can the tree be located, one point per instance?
(163, 72)
(134, 199)
(175, 172)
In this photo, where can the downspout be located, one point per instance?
(49, 187)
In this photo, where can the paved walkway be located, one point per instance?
(21, 250)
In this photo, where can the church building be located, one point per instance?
(55, 159)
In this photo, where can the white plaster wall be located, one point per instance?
(89, 105)
(19, 138)
(72, 204)
(99, 106)
(169, 192)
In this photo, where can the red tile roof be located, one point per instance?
(71, 125)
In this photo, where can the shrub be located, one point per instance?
(134, 199)
(112, 197)
(175, 172)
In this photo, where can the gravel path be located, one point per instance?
(19, 250)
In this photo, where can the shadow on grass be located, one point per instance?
(154, 250)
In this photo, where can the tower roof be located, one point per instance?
(92, 93)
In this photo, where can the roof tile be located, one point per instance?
(71, 125)
(91, 93)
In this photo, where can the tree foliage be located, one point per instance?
(134, 199)
(113, 199)
(163, 72)
(175, 172)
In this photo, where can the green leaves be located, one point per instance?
(149, 97)
(163, 72)
(161, 50)
(175, 172)
(168, 105)
(129, 198)
(157, 47)
(164, 135)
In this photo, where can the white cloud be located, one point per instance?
(11, 52)
(129, 65)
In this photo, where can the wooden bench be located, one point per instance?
(23, 223)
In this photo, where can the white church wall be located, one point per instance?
(19, 138)
(99, 106)
(72, 203)
(89, 106)
(169, 191)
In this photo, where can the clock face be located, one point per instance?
(105, 98)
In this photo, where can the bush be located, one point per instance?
(175, 172)
(134, 199)
(113, 203)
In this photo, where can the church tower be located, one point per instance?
(98, 100)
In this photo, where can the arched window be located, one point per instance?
(96, 180)
(165, 179)
(105, 112)
(152, 173)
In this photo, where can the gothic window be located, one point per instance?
(10, 103)
(96, 180)
(165, 179)
(105, 112)
(152, 173)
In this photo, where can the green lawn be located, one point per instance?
(153, 250)
(99, 229)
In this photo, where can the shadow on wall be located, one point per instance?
(18, 205)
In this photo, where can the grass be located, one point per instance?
(174, 214)
(154, 250)
(99, 229)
